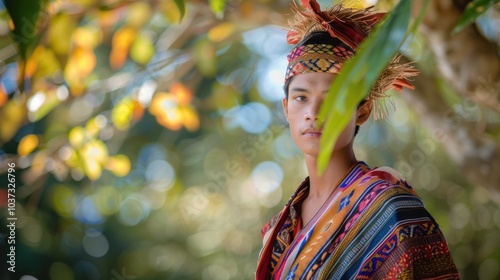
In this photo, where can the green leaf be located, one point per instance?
(204, 54)
(25, 15)
(217, 6)
(358, 75)
(181, 4)
(473, 10)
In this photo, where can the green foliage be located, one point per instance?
(218, 7)
(25, 15)
(181, 5)
(358, 76)
(473, 10)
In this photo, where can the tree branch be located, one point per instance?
(477, 155)
(467, 60)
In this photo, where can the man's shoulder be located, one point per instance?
(381, 180)
(383, 175)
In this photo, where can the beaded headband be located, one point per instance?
(326, 39)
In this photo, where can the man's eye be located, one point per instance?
(300, 98)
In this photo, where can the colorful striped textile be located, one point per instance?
(373, 226)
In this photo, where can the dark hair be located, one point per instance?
(287, 86)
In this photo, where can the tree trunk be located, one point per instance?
(467, 60)
(471, 66)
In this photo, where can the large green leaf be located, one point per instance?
(25, 15)
(473, 10)
(358, 76)
(181, 5)
(218, 6)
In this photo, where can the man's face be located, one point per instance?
(305, 95)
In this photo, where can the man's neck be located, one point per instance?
(340, 163)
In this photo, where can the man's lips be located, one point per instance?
(311, 132)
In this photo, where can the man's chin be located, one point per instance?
(311, 152)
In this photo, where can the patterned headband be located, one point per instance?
(326, 39)
(316, 58)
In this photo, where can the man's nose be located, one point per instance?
(313, 110)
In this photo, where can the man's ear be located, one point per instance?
(364, 111)
(284, 102)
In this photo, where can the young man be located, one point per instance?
(353, 222)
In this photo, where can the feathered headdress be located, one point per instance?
(325, 39)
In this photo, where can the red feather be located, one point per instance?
(400, 83)
(292, 37)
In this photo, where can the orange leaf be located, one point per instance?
(183, 94)
(171, 119)
(3, 96)
(81, 63)
(27, 144)
(117, 58)
(123, 38)
(138, 111)
(221, 32)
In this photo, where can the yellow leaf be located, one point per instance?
(138, 14)
(12, 116)
(87, 37)
(27, 145)
(122, 113)
(48, 64)
(119, 165)
(190, 118)
(72, 159)
(92, 169)
(94, 150)
(221, 32)
(171, 11)
(142, 49)
(77, 136)
(93, 154)
(60, 29)
(94, 125)
(42, 62)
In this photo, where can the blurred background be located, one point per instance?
(149, 140)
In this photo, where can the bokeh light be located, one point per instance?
(133, 209)
(95, 243)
